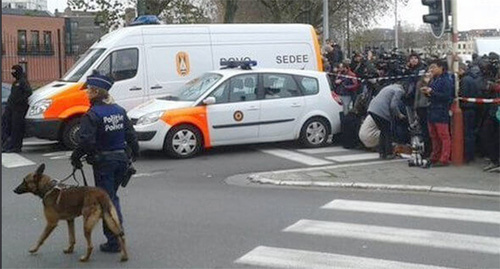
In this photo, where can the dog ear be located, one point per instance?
(40, 169)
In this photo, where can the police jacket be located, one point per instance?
(20, 92)
(105, 128)
(440, 99)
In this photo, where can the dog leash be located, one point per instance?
(74, 177)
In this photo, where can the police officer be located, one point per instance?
(105, 134)
(15, 111)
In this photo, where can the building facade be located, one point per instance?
(81, 30)
(466, 42)
(35, 40)
(25, 4)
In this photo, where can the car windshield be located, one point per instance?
(82, 65)
(195, 88)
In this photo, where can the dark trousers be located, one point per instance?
(422, 121)
(469, 116)
(385, 144)
(108, 175)
(7, 113)
(490, 139)
(14, 128)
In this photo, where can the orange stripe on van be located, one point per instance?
(196, 116)
(317, 48)
(72, 101)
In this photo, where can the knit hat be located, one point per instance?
(100, 81)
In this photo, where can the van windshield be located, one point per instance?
(195, 88)
(82, 65)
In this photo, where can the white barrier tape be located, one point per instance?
(377, 78)
(480, 100)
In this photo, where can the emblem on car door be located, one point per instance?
(238, 115)
(182, 62)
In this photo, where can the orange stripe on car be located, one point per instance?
(196, 116)
(72, 101)
(317, 48)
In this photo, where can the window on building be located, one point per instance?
(74, 26)
(35, 41)
(75, 49)
(68, 43)
(89, 35)
(22, 44)
(47, 42)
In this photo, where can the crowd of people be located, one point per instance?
(390, 97)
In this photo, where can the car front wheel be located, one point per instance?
(71, 133)
(314, 133)
(183, 141)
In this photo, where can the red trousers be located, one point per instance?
(441, 142)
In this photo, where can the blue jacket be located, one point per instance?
(440, 99)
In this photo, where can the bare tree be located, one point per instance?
(111, 13)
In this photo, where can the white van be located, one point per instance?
(150, 61)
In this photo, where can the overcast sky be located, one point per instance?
(472, 14)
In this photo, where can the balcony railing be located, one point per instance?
(35, 49)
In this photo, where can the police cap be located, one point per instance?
(99, 81)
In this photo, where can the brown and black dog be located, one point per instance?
(67, 203)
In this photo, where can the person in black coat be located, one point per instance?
(470, 87)
(15, 111)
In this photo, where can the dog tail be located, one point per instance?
(110, 216)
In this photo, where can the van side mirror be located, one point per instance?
(209, 100)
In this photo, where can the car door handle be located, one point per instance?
(135, 89)
(253, 108)
(155, 87)
(296, 105)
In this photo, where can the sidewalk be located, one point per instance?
(390, 175)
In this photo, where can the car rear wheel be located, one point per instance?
(183, 141)
(314, 133)
(71, 133)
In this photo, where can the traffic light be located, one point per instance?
(438, 15)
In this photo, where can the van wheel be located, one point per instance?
(71, 133)
(314, 133)
(183, 141)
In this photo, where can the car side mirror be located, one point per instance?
(209, 100)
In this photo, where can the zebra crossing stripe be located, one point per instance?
(296, 157)
(57, 153)
(354, 157)
(323, 150)
(291, 258)
(39, 143)
(472, 215)
(417, 237)
(11, 160)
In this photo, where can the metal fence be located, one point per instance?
(43, 62)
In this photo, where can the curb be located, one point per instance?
(261, 179)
